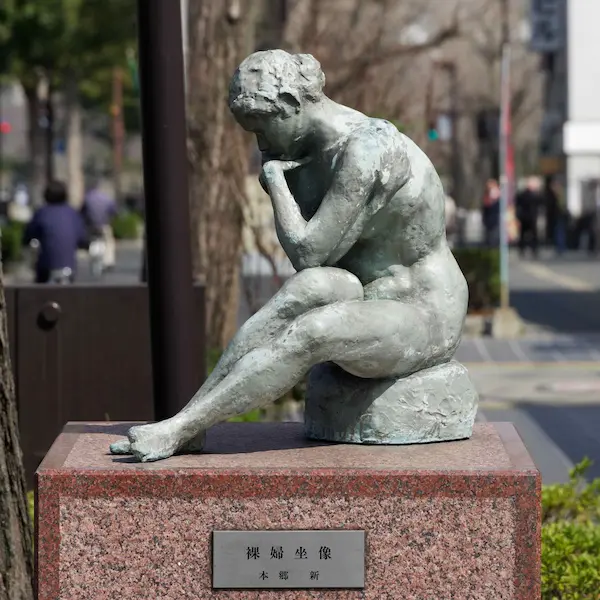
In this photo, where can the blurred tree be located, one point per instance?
(371, 52)
(67, 46)
(29, 29)
(221, 35)
(96, 35)
(16, 560)
(364, 48)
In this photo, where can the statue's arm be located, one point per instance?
(310, 243)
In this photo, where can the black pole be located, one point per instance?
(174, 366)
(505, 18)
(1, 139)
(49, 136)
(457, 190)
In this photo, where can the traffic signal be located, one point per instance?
(5, 127)
(432, 132)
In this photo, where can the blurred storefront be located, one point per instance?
(582, 129)
(549, 39)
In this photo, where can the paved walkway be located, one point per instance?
(532, 349)
(548, 382)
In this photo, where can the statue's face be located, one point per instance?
(279, 136)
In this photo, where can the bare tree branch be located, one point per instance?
(358, 68)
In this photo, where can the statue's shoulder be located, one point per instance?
(377, 137)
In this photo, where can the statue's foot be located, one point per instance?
(156, 441)
(121, 447)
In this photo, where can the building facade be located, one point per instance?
(581, 135)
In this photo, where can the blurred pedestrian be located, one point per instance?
(556, 214)
(491, 213)
(20, 207)
(527, 204)
(99, 210)
(59, 230)
(451, 220)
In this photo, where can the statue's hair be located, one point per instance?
(270, 81)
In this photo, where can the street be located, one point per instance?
(547, 382)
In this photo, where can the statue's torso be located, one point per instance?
(401, 230)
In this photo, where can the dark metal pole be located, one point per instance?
(1, 140)
(505, 18)
(456, 163)
(504, 141)
(174, 366)
(49, 136)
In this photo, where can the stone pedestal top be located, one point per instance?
(454, 520)
(493, 446)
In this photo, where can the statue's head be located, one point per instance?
(269, 95)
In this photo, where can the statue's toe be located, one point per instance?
(120, 447)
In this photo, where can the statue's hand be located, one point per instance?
(274, 169)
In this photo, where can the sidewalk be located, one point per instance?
(127, 268)
(548, 381)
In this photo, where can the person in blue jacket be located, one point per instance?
(60, 231)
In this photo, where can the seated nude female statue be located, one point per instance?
(359, 211)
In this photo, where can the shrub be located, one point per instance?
(481, 268)
(570, 561)
(573, 501)
(126, 226)
(12, 241)
(571, 538)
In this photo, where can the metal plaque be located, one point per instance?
(288, 559)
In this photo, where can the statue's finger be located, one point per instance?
(288, 165)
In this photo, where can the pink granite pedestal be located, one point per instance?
(455, 520)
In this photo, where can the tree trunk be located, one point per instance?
(16, 564)
(49, 138)
(74, 142)
(36, 144)
(118, 130)
(221, 35)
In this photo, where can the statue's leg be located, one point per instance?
(308, 289)
(378, 338)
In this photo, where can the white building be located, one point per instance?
(581, 139)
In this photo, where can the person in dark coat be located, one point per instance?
(491, 213)
(527, 204)
(556, 214)
(60, 231)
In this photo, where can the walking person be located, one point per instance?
(491, 213)
(60, 231)
(99, 209)
(527, 203)
(556, 215)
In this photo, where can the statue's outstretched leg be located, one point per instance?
(308, 289)
(376, 338)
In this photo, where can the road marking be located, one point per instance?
(592, 350)
(496, 403)
(481, 348)
(566, 281)
(518, 351)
